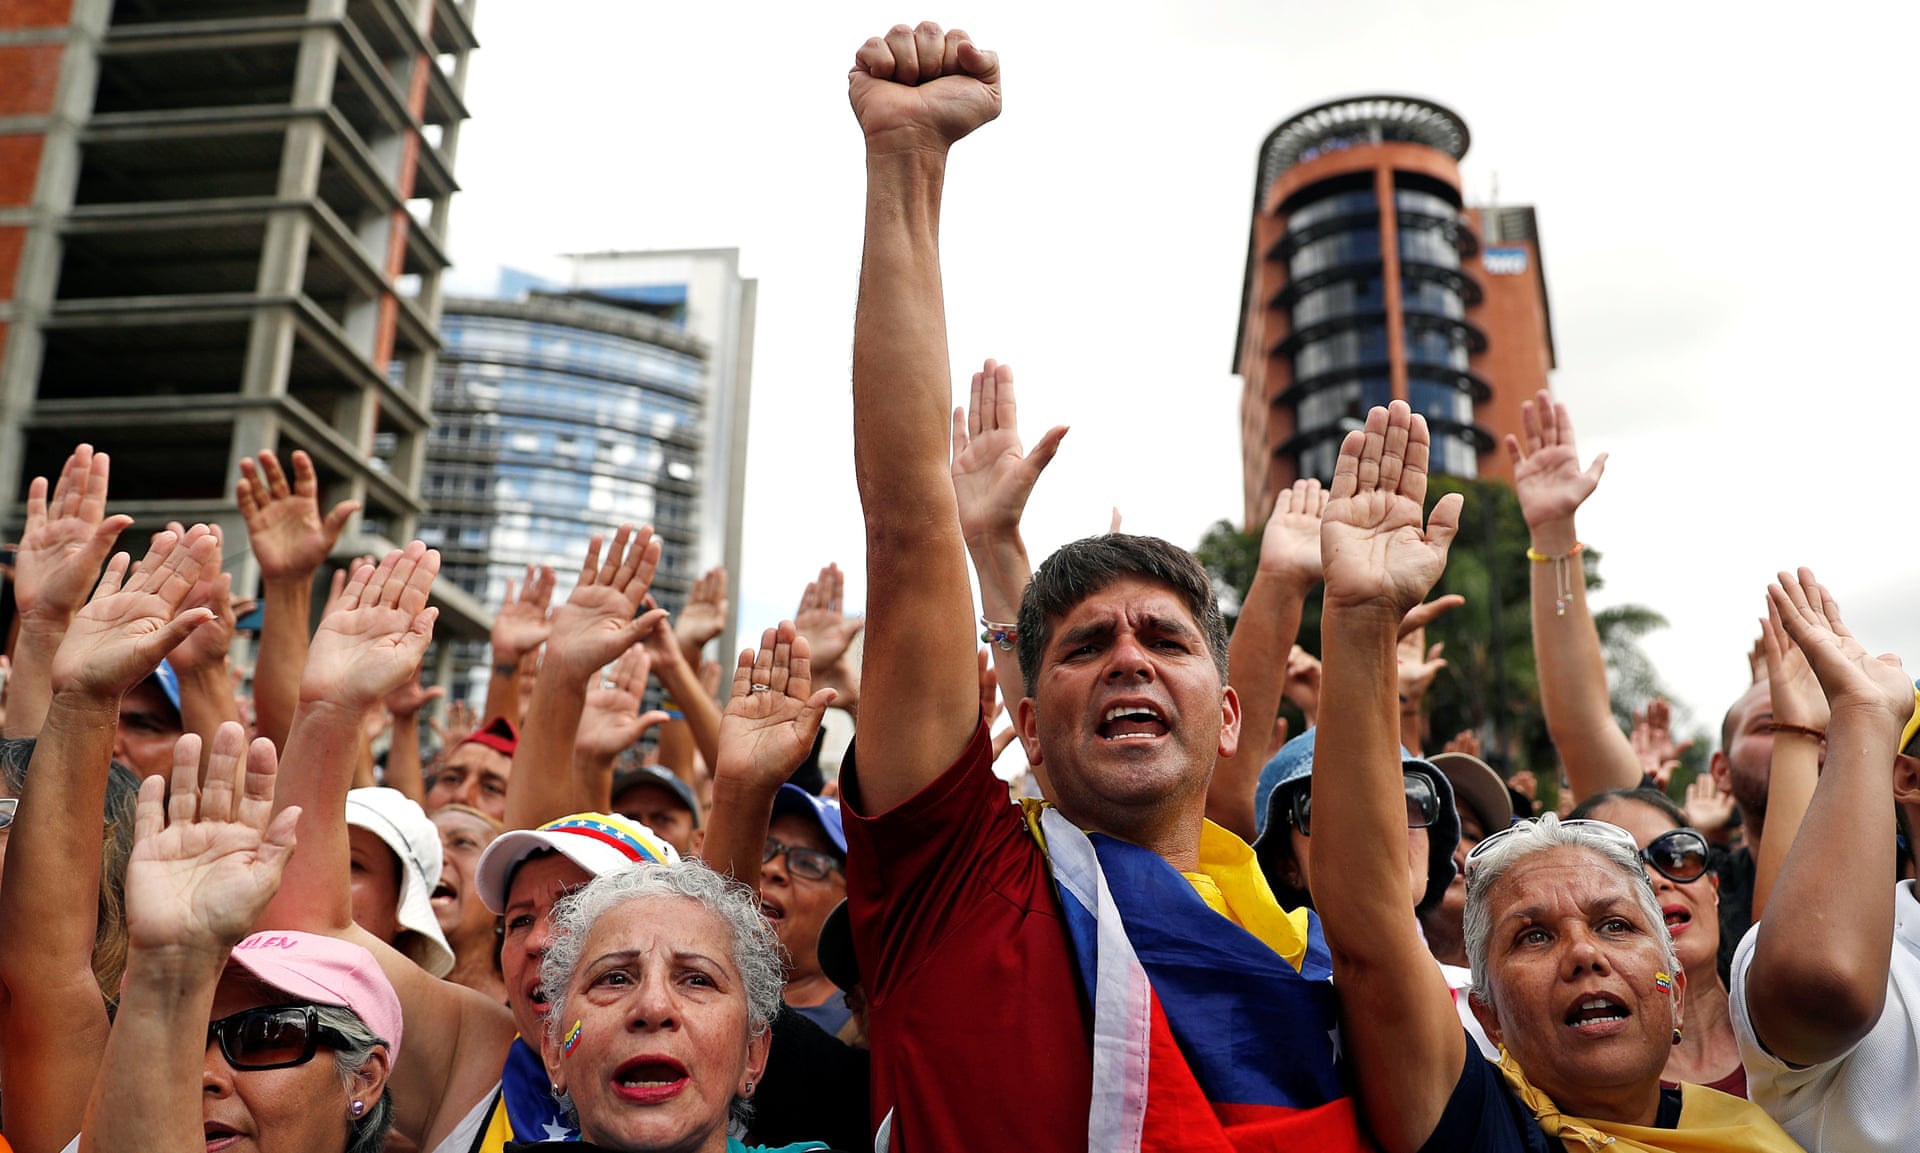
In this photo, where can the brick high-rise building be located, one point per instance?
(222, 229)
(1368, 280)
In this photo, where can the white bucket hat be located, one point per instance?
(406, 829)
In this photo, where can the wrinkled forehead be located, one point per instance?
(1563, 880)
(662, 927)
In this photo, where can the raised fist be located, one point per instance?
(919, 87)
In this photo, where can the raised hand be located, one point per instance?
(1465, 741)
(704, 616)
(410, 698)
(207, 859)
(1303, 683)
(1653, 744)
(1851, 678)
(597, 623)
(289, 537)
(1546, 472)
(1375, 551)
(918, 88)
(524, 622)
(373, 639)
(1791, 686)
(206, 646)
(460, 723)
(992, 475)
(66, 541)
(1417, 672)
(771, 720)
(1290, 545)
(612, 720)
(135, 617)
(821, 620)
(1706, 807)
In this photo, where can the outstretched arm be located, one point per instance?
(1800, 714)
(200, 661)
(61, 551)
(609, 725)
(1400, 1027)
(1573, 673)
(290, 541)
(767, 730)
(915, 92)
(54, 1024)
(992, 479)
(205, 861)
(590, 631)
(1810, 1005)
(1262, 639)
(519, 629)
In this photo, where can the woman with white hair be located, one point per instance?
(1574, 974)
(664, 981)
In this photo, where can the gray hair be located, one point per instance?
(756, 950)
(1527, 839)
(369, 1132)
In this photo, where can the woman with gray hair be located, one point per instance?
(1574, 975)
(664, 981)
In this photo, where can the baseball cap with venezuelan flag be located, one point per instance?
(597, 842)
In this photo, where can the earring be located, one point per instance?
(749, 1090)
(359, 1107)
(554, 1088)
(1676, 1034)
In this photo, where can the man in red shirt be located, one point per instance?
(977, 971)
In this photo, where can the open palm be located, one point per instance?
(372, 641)
(135, 618)
(1848, 673)
(1373, 547)
(773, 715)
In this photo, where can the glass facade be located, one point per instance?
(1339, 348)
(548, 432)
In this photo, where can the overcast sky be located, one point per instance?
(1726, 219)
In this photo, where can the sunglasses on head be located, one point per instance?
(1680, 855)
(275, 1037)
(810, 864)
(1423, 805)
(1606, 829)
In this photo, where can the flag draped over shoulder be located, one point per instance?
(1204, 1037)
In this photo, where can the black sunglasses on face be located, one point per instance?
(275, 1037)
(1679, 856)
(1423, 805)
(810, 864)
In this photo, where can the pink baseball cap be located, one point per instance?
(326, 971)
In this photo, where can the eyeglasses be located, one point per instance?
(1680, 855)
(810, 864)
(7, 808)
(276, 1037)
(1423, 805)
(1610, 831)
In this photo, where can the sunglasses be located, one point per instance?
(809, 864)
(276, 1037)
(7, 809)
(1423, 805)
(1680, 855)
(1610, 831)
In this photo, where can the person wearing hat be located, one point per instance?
(395, 858)
(277, 1040)
(1485, 806)
(803, 876)
(149, 724)
(475, 772)
(662, 802)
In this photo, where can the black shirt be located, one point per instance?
(1736, 873)
(1485, 1116)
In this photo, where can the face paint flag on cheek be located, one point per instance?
(573, 1038)
(1661, 982)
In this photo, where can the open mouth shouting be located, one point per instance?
(1597, 1015)
(1133, 721)
(220, 1136)
(1679, 919)
(650, 1080)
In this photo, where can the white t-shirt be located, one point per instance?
(1864, 1099)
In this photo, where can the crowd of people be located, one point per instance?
(728, 924)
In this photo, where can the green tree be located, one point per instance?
(1490, 684)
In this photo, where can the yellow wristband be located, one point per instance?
(1538, 557)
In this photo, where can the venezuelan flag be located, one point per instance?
(1204, 1037)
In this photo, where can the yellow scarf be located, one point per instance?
(1710, 1122)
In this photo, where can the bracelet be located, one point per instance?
(1562, 574)
(1003, 635)
(507, 670)
(1803, 730)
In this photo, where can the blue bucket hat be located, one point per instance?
(1289, 772)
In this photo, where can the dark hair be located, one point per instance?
(1652, 798)
(1083, 568)
(116, 844)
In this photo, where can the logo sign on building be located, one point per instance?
(1505, 261)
